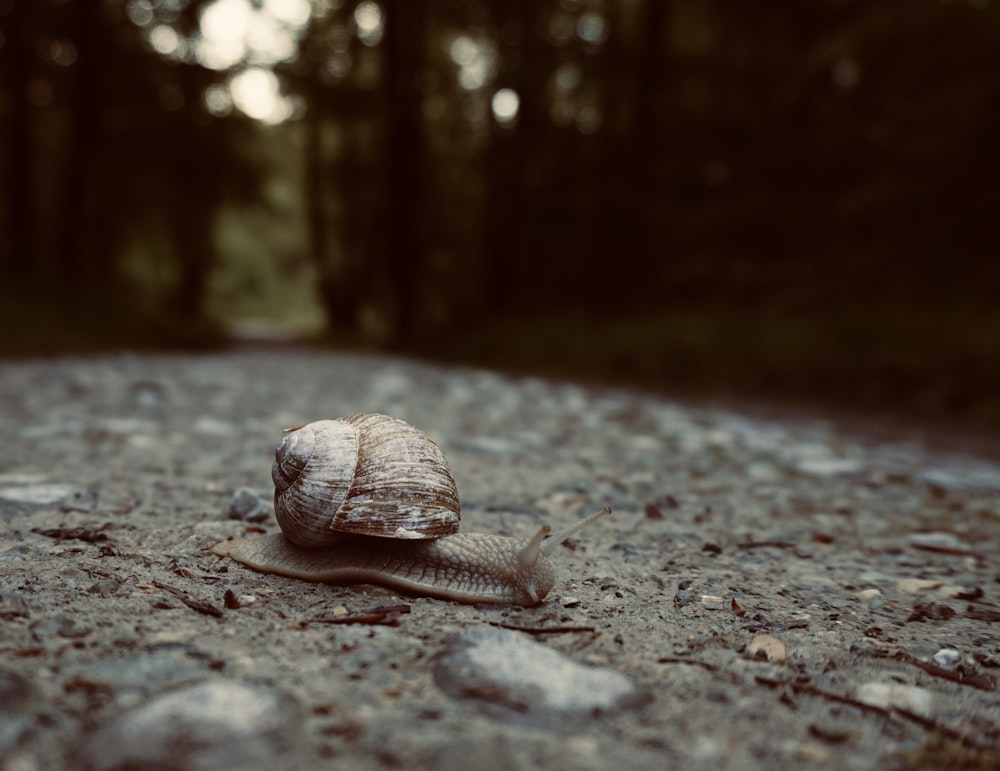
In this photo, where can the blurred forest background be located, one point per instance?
(793, 201)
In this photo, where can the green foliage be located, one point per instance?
(261, 273)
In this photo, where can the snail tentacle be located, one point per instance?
(568, 532)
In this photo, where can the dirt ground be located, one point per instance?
(768, 593)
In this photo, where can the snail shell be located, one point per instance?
(366, 474)
(340, 482)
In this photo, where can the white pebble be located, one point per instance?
(947, 657)
(888, 695)
(772, 648)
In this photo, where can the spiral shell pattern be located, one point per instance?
(366, 474)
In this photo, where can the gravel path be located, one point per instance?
(766, 594)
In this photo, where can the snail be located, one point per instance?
(370, 499)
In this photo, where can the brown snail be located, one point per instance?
(370, 499)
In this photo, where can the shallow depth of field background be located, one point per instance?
(793, 203)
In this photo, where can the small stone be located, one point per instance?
(947, 657)
(569, 601)
(18, 699)
(829, 467)
(105, 586)
(212, 725)
(916, 585)
(514, 677)
(148, 394)
(812, 752)
(873, 598)
(247, 506)
(966, 479)
(767, 646)
(931, 611)
(13, 605)
(141, 441)
(212, 427)
(707, 748)
(482, 755)
(713, 602)
(938, 540)
(762, 471)
(874, 577)
(888, 695)
(491, 445)
(129, 427)
(62, 625)
(44, 494)
(144, 673)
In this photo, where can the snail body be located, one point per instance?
(370, 499)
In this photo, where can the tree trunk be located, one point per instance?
(405, 32)
(21, 255)
(510, 200)
(339, 295)
(625, 177)
(86, 104)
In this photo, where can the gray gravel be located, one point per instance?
(769, 593)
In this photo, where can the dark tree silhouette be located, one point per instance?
(511, 203)
(80, 194)
(405, 39)
(828, 163)
(338, 297)
(20, 255)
